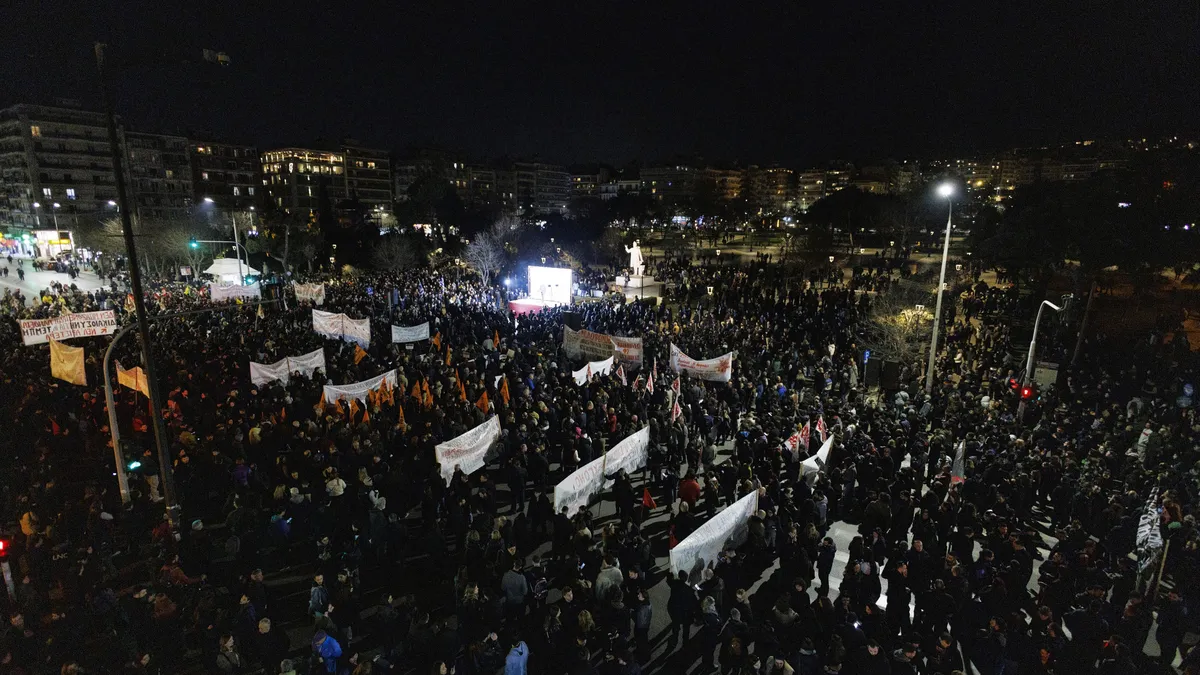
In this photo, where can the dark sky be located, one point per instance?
(793, 82)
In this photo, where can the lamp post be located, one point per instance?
(37, 213)
(54, 211)
(1029, 360)
(237, 244)
(946, 191)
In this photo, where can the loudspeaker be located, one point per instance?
(573, 320)
(890, 379)
(872, 374)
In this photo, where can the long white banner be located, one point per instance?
(314, 293)
(469, 451)
(719, 369)
(219, 293)
(1148, 539)
(593, 368)
(342, 327)
(410, 333)
(262, 373)
(80, 324)
(728, 528)
(358, 390)
(587, 344)
(575, 490)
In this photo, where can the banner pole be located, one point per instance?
(1162, 564)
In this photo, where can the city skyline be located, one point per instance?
(793, 86)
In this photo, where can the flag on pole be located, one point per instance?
(462, 391)
(338, 406)
(676, 411)
(134, 378)
(400, 415)
(366, 416)
(448, 350)
(647, 500)
(320, 406)
(359, 353)
(793, 444)
(588, 376)
(483, 403)
(496, 338)
(805, 435)
(675, 386)
(261, 314)
(504, 391)
(437, 341)
(822, 429)
(353, 408)
(654, 370)
(958, 472)
(621, 374)
(426, 397)
(650, 384)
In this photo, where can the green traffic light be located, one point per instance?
(194, 244)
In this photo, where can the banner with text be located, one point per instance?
(314, 293)
(719, 369)
(593, 368)
(813, 466)
(220, 293)
(342, 327)
(589, 345)
(469, 451)
(262, 373)
(629, 349)
(358, 390)
(80, 324)
(575, 490)
(726, 529)
(410, 333)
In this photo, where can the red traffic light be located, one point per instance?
(1013, 384)
(1027, 393)
(4, 545)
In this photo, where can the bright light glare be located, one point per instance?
(111, 203)
(945, 190)
(208, 200)
(507, 281)
(57, 205)
(37, 205)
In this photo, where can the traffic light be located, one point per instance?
(1028, 392)
(5, 545)
(1013, 383)
(193, 244)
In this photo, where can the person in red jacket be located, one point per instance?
(689, 490)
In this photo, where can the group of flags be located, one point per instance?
(803, 436)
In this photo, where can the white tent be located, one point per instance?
(226, 270)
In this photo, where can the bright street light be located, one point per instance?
(37, 205)
(111, 203)
(945, 190)
(57, 205)
(208, 200)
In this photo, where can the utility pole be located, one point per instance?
(139, 303)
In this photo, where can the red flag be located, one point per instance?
(676, 411)
(654, 370)
(822, 429)
(650, 384)
(621, 374)
(793, 444)
(805, 435)
(647, 500)
(675, 386)
(504, 390)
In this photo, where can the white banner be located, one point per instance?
(575, 490)
(702, 547)
(342, 327)
(593, 368)
(358, 390)
(81, 324)
(719, 369)
(314, 293)
(1148, 540)
(219, 293)
(262, 373)
(469, 451)
(814, 465)
(589, 345)
(410, 333)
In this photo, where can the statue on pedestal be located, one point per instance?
(635, 259)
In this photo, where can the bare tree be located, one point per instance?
(394, 252)
(899, 323)
(486, 255)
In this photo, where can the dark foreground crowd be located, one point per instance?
(322, 539)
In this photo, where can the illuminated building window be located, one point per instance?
(35, 131)
(70, 193)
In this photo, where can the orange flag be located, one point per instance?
(366, 416)
(437, 341)
(428, 402)
(353, 408)
(496, 338)
(338, 404)
(426, 397)
(320, 406)
(391, 393)
(359, 354)
(403, 424)
(448, 350)
(504, 390)
(482, 403)
(462, 391)
(283, 413)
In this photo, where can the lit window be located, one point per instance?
(35, 131)
(370, 165)
(309, 190)
(70, 193)
(46, 192)
(250, 190)
(237, 191)
(170, 173)
(204, 175)
(291, 167)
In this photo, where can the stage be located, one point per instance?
(527, 305)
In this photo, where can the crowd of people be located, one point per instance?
(317, 537)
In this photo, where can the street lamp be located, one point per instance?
(54, 212)
(945, 191)
(1025, 381)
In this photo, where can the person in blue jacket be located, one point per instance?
(514, 663)
(328, 649)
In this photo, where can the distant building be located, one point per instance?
(368, 176)
(296, 177)
(769, 188)
(228, 174)
(54, 155)
(160, 176)
(810, 187)
(542, 188)
(673, 184)
(588, 182)
(728, 183)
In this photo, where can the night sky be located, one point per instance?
(793, 82)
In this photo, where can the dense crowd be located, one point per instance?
(333, 523)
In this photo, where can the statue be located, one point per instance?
(635, 259)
